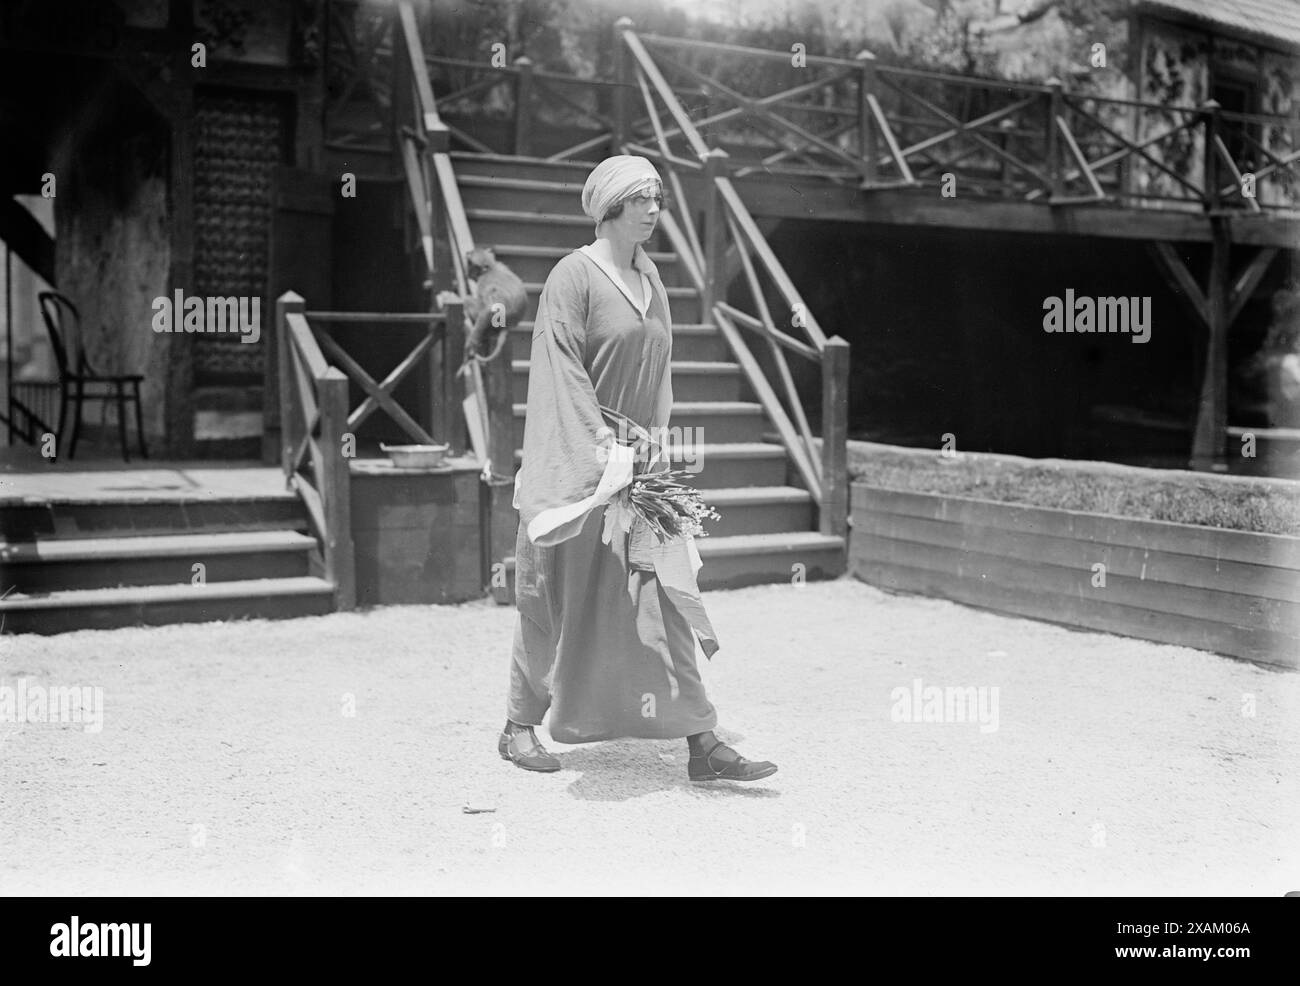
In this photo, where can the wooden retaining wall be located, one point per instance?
(1230, 592)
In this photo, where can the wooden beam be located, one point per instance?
(27, 238)
(1181, 281)
(833, 517)
(1073, 147)
(788, 197)
(335, 481)
(775, 412)
(1244, 286)
(178, 390)
(1212, 410)
(731, 261)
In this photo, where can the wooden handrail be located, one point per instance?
(493, 413)
(725, 213)
(432, 169)
(314, 421)
(778, 357)
(779, 337)
(399, 318)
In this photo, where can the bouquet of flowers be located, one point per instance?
(670, 508)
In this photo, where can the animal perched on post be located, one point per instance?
(496, 306)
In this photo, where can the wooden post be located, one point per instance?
(1212, 411)
(835, 434)
(866, 122)
(1210, 131)
(336, 488)
(622, 115)
(453, 386)
(443, 275)
(498, 380)
(1055, 103)
(502, 518)
(714, 223)
(445, 387)
(1004, 139)
(400, 101)
(444, 357)
(290, 425)
(523, 105)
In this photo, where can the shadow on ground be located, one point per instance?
(619, 770)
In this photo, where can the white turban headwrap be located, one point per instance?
(613, 180)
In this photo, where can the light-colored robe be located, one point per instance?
(605, 635)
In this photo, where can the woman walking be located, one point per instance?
(604, 634)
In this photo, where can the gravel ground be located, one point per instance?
(228, 762)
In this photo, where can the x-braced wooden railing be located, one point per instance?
(728, 223)
(878, 126)
(313, 418)
(314, 404)
(854, 121)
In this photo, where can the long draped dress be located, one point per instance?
(603, 637)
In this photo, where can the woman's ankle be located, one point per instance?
(699, 743)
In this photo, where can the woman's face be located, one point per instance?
(640, 216)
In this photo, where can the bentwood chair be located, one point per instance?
(78, 381)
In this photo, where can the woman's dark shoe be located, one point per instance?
(522, 749)
(712, 767)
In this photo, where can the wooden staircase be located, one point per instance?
(528, 210)
(91, 561)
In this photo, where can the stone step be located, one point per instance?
(159, 605)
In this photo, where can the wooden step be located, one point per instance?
(497, 192)
(554, 253)
(723, 465)
(691, 341)
(718, 421)
(676, 294)
(534, 263)
(531, 217)
(158, 605)
(94, 563)
(143, 515)
(539, 228)
(753, 559)
(693, 380)
(468, 163)
(700, 421)
(759, 510)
